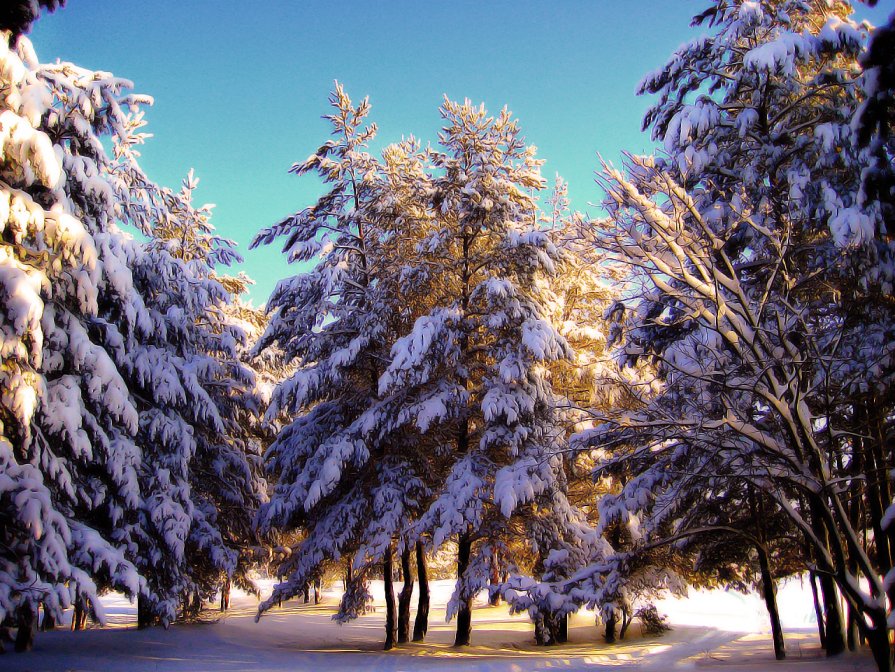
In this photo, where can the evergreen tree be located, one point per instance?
(116, 383)
(198, 422)
(346, 487)
(471, 371)
(587, 285)
(70, 466)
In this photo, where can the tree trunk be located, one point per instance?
(49, 620)
(26, 620)
(27, 623)
(878, 641)
(307, 593)
(626, 622)
(464, 614)
(877, 489)
(494, 580)
(551, 624)
(856, 518)
(5, 635)
(818, 611)
(387, 571)
(769, 593)
(318, 590)
(835, 631)
(225, 595)
(562, 636)
(877, 458)
(832, 616)
(609, 634)
(421, 624)
(404, 597)
(852, 633)
(349, 572)
(540, 631)
(79, 617)
(145, 617)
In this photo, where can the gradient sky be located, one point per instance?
(239, 87)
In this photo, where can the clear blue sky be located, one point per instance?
(239, 87)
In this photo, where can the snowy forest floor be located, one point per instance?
(711, 631)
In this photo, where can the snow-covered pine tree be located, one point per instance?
(200, 422)
(472, 370)
(70, 467)
(403, 214)
(588, 286)
(102, 376)
(344, 485)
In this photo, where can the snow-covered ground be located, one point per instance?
(711, 631)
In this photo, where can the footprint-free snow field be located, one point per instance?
(301, 636)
